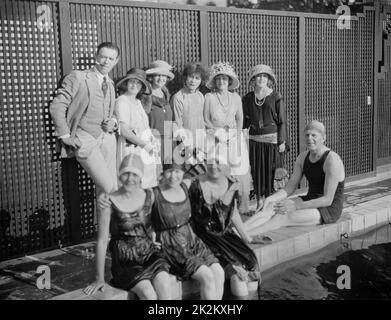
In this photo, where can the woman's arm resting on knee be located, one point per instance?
(238, 224)
(101, 248)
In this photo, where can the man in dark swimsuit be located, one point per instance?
(323, 203)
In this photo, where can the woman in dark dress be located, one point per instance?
(214, 198)
(188, 255)
(137, 262)
(265, 117)
(158, 73)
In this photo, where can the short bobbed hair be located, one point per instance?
(195, 68)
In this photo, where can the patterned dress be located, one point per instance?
(212, 223)
(183, 249)
(134, 256)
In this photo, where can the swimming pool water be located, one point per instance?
(314, 277)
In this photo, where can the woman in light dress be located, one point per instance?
(188, 107)
(223, 116)
(135, 134)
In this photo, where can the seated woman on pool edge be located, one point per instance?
(214, 196)
(137, 263)
(189, 257)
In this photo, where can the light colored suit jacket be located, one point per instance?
(72, 100)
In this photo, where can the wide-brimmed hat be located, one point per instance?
(222, 68)
(138, 74)
(160, 67)
(132, 163)
(261, 68)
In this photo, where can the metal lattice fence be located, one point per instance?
(32, 209)
(322, 72)
(338, 79)
(384, 93)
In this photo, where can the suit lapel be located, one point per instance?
(92, 83)
(112, 97)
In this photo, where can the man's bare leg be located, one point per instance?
(305, 217)
(259, 218)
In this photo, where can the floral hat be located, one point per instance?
(222, 68)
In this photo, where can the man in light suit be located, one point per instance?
(82, 111)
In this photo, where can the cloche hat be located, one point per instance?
(261, 68)
(160, 67)
(138, 74)
(132, 163)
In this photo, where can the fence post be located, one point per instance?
(70, 166)
(301, 86)
(204, 23)
(65, 37)
(377, 58)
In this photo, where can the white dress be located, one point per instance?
(231, 146)
(133, 114)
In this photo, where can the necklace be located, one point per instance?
(224, 106)
(264, 93)
(261, 101)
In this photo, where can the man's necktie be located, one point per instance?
(104, 86)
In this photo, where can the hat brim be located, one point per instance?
(272, 76)
(234, 85)
(147, 85)
(163, 71)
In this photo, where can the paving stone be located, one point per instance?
(316, 238)
(382, 216)
(269, 255)
(369, 220)
(285, 250)
(331, 233)
(302, 243)
(357, 222)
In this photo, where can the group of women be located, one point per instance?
(162, 222)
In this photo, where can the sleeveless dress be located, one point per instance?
(315, 175)
(183, 249)
(224, 117)
(134, 256)
(212, 223)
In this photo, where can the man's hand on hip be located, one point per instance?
(108, 125)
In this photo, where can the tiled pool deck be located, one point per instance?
(367, 206)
